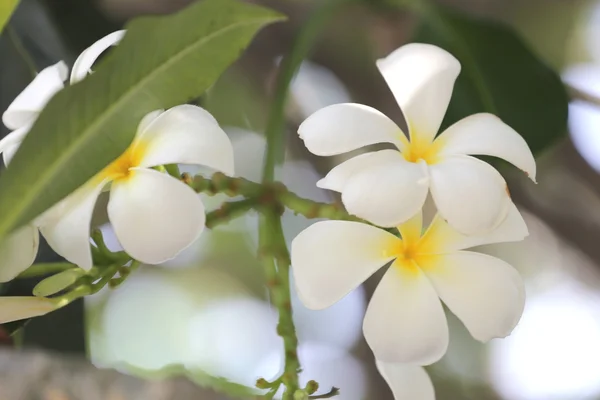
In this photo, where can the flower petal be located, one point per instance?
(340, 128)
(411, 230)
(186, 134)
(18, 252)
(405, 321)
(16, 308)
(484, 292)
(66, 226)
(331, 258)
(421, 77)
(486, 134)
(387, 195)
(154, 215)
(30, 102)
(442, 238)
(88, 57)
(469, 193)
(339, 176)
(408, 382)
(11, 143)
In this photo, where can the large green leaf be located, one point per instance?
(6, 9)
(500, 75)
(161, 62)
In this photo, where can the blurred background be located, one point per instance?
(207, 311)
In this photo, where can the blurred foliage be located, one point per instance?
(6, 9)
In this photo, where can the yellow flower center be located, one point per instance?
(420, 149)
(121, 167)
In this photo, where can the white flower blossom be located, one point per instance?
(154, 215)
(405, 321)
(388, 187)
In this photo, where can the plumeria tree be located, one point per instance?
(124, 124)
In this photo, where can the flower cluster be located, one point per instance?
(405, 324)
(145, 202)
(155, 216)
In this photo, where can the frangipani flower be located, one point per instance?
(154, 215)
(18, 251)
(388, 187)
(405, 321)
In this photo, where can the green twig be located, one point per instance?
(18, 45)
(332, 393)
(229, 211)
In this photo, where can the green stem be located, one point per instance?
(18, 45)
(299, 50)
(228, 211)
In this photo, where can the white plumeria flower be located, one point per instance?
(18, 251)
(154, 215)
(405, 321)
(408, 382)
(388, 187)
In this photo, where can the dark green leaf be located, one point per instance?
(57, 283)
(161, 62)
(500, 75)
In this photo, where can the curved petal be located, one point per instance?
(18, 252)
(441, 238)
(15, 308)
(421, 77)
(88, 57)
(66, 226)
(408, 382)
(405, 321)
(331, 258)
(186, 134)
(11, 143)
(30, 102)
(340, 128)
(469, 193)
(154, 215)
(339, 176)
(484, 292)
(486, 134)
(387, 195)
(412, 229)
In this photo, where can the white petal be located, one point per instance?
(387, 195)
(421, 77)
(186, 134)
(88, 57)
(22, 307)
(331, 258)
(486, 134)
(408, 382)
(469, 193)
(484, 292)
(339, 176)
(18, 252)
(344, 127)
(405, 321)
(66, 226)
(154, 215)
(443, 238)
(30, 102)
(11, 143)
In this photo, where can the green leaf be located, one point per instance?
(57, 283)
(7, 7)
(161, 62)
(500, 75)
